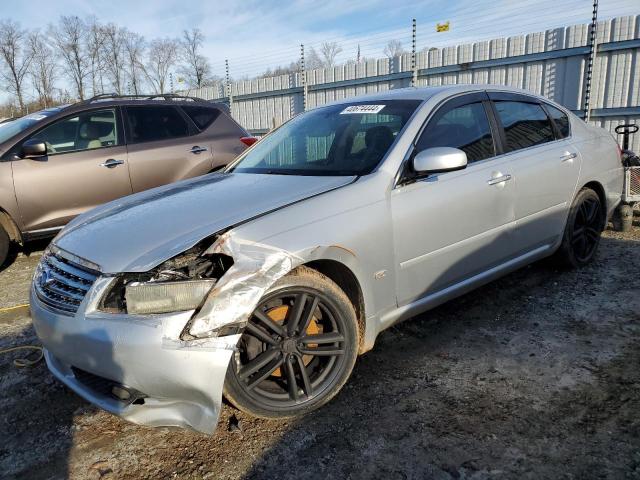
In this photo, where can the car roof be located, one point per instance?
(425, 93)
(109, 101)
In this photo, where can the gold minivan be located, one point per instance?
(57, 163)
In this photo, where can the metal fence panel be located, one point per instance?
(551, 63)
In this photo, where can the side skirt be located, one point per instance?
(433, 300)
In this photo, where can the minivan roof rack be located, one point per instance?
(162, 96)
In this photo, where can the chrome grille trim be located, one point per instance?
(62, 284)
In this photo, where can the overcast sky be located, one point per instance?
(256, 34)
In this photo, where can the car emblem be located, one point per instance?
(45, 278)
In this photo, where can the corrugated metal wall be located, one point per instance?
(551, 63)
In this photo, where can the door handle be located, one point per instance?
(197, 150)
(567, 157)
(111, 163)
(500, 179)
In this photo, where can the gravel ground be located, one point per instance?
(534, 376)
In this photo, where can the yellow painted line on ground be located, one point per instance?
(15, 307)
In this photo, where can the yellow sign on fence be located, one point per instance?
(442, 27)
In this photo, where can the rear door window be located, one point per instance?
(150, 122)
(560, 119)
(201, 116)
(525, 125)
(465, 127)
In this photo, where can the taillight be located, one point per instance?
(248, 141)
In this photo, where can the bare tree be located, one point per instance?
(393, 49)
(70, 40)
(95, 47)
(134, 45)
(161, 57)
(43, 68)
(329, 51)
(313, 60)
(293, 67)
(17, 56)
(197, 68)
(114, 54)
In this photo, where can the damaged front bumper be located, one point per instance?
(161, 369)
(167, 386)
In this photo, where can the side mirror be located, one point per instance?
(438, 160)
(34, 148)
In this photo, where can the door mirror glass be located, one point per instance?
(438, 160)
(34, 148)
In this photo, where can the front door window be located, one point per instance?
(86, 131)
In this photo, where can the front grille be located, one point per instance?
(62, 284)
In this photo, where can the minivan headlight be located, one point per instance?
(143, 298)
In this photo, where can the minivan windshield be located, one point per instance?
(9, 129)
(345, 139)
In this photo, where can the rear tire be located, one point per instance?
(582, 232)
(4, 246)
(286, 367)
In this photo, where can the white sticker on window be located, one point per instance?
(362, 109)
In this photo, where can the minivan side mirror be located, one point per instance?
(438, 160)
(34, 148)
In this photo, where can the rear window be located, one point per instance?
(202, 116)
(525, 124)
(560, 119)
(149, 123)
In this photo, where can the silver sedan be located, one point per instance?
(264, 283)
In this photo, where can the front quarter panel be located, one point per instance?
(8, 202)
(350, 225)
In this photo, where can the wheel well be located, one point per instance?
(349, 284)
(9, 226)
(596, 187)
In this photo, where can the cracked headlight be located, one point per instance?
(164, 297)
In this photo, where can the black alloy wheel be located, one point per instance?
(587, 227)
(582, 232)
(296, 352)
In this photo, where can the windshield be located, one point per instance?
(345, 139)
(9, 129)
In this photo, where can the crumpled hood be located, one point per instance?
(138, 232)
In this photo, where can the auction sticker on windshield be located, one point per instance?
(362, 109)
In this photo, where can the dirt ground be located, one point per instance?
(534, 376)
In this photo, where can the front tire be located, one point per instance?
(582, 232)
(4, 246)
(298, 349)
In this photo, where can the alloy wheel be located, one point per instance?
(586, 229)
(292, 349)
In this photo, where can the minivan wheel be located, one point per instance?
(4, 246)
(298, 349)
(582, 232)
